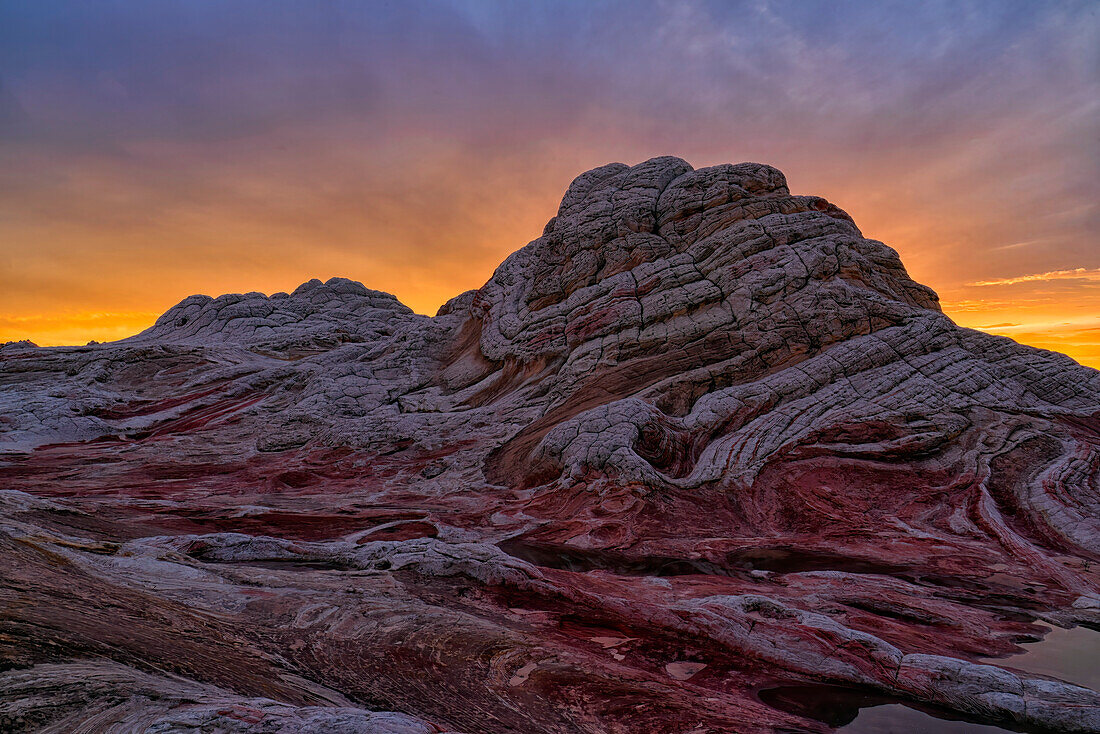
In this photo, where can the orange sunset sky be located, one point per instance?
(149, 151)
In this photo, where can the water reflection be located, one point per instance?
(898, 719)
(858, 711)
(1071, 655)
(1067, 654)
(832, 705)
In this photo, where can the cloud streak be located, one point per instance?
(1073, 274)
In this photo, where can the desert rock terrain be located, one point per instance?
(698, 446)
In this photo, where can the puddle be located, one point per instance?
(897, 719)
(831, 705)
(1066, 654)
(855, 711)
(1070, 655)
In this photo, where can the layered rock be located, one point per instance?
(698, 440)
(315, 315)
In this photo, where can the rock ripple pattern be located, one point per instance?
(697, 447)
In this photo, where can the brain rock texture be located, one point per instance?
(699, 443)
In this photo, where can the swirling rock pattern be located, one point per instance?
(699, 441)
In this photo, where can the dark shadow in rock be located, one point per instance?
(840, 707)
(780, 559)
(288, 564)
(567, 558)
(831, 705)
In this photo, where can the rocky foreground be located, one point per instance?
(699, 446)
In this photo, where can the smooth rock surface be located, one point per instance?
(699, 440)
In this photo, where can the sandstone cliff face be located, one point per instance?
(699, 441)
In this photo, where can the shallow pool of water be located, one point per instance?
(1071, 655)
(897, 719)
(855, 711)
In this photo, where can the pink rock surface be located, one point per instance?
(699, 441)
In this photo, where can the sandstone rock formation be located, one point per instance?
(699, 442)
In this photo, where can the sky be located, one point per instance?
(153, 149)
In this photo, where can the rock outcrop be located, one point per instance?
(699, 441)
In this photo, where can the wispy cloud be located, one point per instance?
(1082, 324)
(1075, 273)
(1025, 243)
(71, 319)
(987, 305)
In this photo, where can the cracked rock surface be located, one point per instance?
(699, 442)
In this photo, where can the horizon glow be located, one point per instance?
(149, 151)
